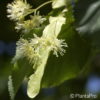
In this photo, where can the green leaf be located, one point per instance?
(90, 25)
(92, 9)
(21, 69)
(70, 65)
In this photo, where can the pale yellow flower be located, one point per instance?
(18, 9)
(25, 49)
(26, 26)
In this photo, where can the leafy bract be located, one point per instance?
(54, 27)
(58, 3)
(52, 30)
(34, 82)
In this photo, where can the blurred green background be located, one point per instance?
(81, 84)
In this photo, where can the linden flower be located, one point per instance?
(57, 46)
(54, 44)
(32, 49)
(25, 49)
(28, 25)
(18, 9)
(39, 42)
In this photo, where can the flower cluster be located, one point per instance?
(18, 9)
(25, 49)
(32, 49)
(28, 25)
(53, 44)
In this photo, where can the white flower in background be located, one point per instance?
(18, 9)
(28, 25)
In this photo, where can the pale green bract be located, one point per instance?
(58, 3)
(34, 82)
(52, 30)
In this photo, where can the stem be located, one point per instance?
(34, 10)
(43, 5)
